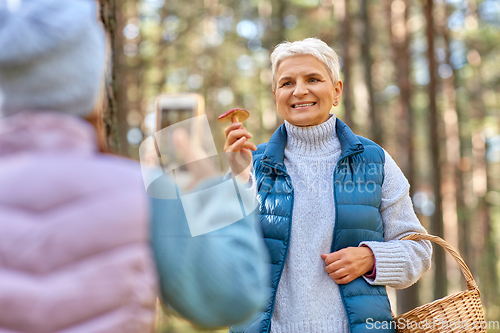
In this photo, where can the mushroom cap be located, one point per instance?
(240, 114)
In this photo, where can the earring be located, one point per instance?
(335, 103)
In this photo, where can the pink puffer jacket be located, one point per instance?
(74, 251)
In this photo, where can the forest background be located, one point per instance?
(421, 78)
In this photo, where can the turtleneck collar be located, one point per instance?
(313, 140)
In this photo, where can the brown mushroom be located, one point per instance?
(234, 115)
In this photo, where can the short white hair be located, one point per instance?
(309, 46)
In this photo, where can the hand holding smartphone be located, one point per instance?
(184, 143)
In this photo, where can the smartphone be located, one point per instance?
(174, 108)
(176, 112)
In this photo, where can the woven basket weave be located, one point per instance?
(461, 312)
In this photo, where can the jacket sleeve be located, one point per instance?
(217, 278)
(399, 264)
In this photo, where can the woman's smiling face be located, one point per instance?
(304, 91)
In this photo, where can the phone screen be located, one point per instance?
(174, 113)
(173, 116)
(169, 117)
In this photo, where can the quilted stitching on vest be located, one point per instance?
(358, 190)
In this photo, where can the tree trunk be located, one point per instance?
(375, 123)
(462, 190)
(407, 298)
(346, 67)
(121, 72)
(484, 243)
(108, 16)
(451, 167)
(437, 228)
(278, 17)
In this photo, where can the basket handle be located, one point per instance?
(469, 279)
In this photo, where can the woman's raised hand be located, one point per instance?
(238, 150)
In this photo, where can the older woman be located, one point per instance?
(348, 201)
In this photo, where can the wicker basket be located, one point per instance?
(461, 312)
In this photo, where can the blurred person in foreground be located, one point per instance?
(210, 256)
(75, 252)
(333, 207)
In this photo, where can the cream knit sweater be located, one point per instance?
(308, 300)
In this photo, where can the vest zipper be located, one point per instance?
(335, 224)
(289, 182)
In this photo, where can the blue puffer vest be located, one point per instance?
(358, 179)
